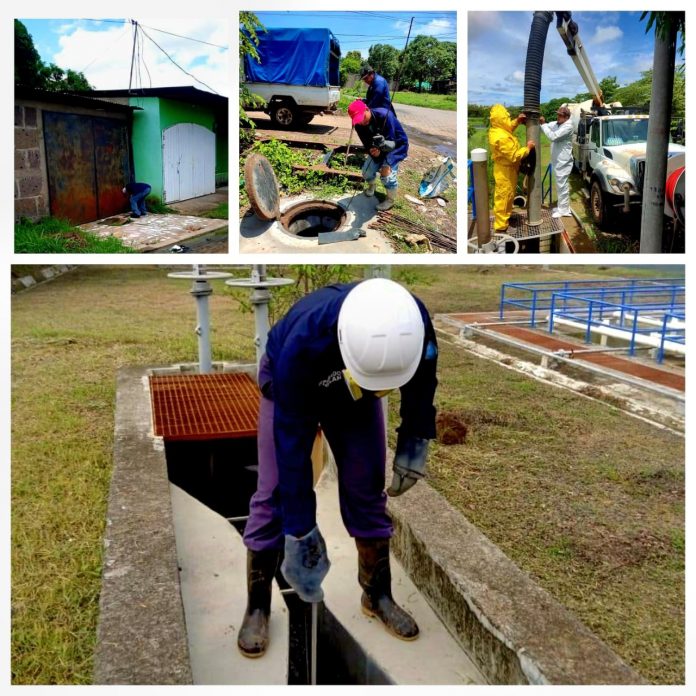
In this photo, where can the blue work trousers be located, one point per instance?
(137, 201)
(359, 448)
(371, 169)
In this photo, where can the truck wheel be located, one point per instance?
(598, 206)
(284, 116)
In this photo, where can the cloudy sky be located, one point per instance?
(358, 30)
(102, 50)
(615, 43)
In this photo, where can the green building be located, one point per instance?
(179, 139)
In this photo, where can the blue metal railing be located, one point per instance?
(470, 193)
(535, 297)
(547, 173)
(651, 312)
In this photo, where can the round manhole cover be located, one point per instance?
(262, 187)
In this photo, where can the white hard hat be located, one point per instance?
(380, 334)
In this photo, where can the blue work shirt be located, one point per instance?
(384, 122)
(378, 94)
(306, 382)
(136, 187)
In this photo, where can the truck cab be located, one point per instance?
(609, 150)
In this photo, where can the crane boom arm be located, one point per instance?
(568, 29)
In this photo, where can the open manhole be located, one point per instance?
(307, 219)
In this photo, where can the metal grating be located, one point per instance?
(519, 229)
(204, 407)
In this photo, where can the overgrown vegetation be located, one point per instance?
(55, 236)
(282, 158)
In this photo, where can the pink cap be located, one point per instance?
(356, 111)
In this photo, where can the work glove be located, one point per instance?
(306, 564)
(409, 463)
(383, 145)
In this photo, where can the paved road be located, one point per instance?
(433, 128)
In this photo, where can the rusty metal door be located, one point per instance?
(111, 163)
(87, 163)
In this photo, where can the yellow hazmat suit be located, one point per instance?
(507, 155)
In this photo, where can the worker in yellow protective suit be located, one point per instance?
(507, 155)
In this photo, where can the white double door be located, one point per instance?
(188, 154)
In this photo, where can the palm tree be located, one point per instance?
(668, 25)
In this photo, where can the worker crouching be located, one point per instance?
(327, 364)
(507, 156)
(387, 144)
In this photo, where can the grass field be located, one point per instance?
(446, 102)
(54, 236)
(586, 500)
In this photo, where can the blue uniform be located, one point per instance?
(384, 122)
(378, 94)
(138, 192)
(303, 388)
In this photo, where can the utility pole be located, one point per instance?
(135, 37)
(652, 214)
(403, 57)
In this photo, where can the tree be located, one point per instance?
(609, 85)
(350, 65)
(385, 60)
(426, 59)
(249, 26)
(28, 62)
(32, 72)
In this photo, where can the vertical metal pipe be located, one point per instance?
(534, 179)
(479, 159)
(260, 299)
(201, 290)
(313, 665)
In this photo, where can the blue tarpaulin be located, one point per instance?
(295, 57)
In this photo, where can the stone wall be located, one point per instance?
(31, 183)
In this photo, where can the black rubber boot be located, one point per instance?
(374, 576)
(253, 635)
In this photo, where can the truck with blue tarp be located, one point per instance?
(297, 73)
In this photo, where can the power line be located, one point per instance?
(175, 63)
(188, 38)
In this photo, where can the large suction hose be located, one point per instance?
(532, 99)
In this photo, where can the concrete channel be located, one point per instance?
(173, 587)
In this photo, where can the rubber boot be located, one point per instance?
(374, 576)
(253, 634)
(369, 190)
(388, 202)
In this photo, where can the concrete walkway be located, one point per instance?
(155, 232)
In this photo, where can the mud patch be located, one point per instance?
(451, 429)
(610, 551)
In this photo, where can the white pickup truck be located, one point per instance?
(609, 152)
(296, 73)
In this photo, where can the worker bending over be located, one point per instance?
(507, 155)
(327, 364)
(387, 144)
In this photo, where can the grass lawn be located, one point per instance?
(586, 500)
(54, 236)
(221, 212)
(446, 102)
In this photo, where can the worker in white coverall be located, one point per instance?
(560, 134)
